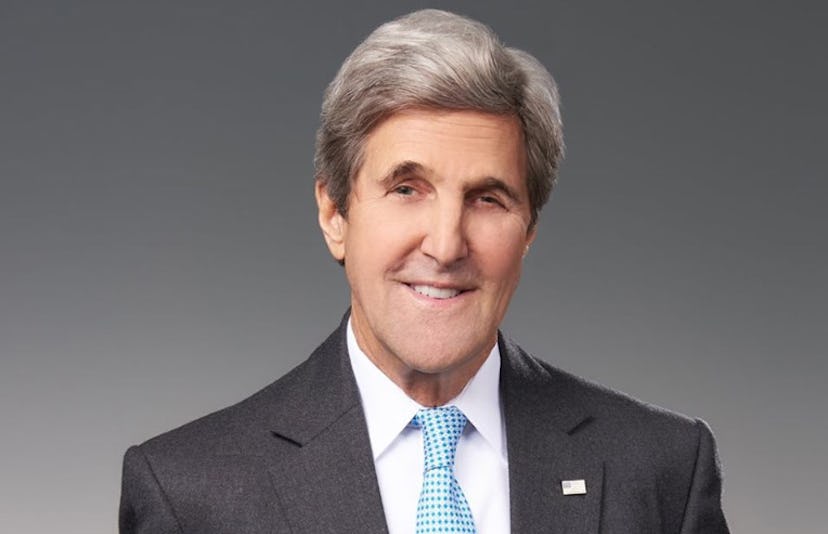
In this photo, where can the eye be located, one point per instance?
(403, 190)
(491, 200)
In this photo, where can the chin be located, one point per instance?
(447, 356)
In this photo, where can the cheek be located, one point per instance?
(501, 249)
(377, 241)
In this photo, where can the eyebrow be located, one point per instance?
(408, 168)
(492, 183)
(404, 168)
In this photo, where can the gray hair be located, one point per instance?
(438, 60)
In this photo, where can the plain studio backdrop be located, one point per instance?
(160, 257)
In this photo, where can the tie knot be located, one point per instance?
(442, 427)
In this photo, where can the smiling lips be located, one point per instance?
(435, 292)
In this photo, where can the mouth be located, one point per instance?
(439, 293)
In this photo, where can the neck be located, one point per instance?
(433, 390)
(430, 387)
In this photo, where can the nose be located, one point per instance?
(445, 239)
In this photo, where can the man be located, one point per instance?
(437, 149)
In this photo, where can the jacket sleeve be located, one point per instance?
(145, 509)
(703, 512)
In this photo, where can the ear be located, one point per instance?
(530, 237)
(332, 223)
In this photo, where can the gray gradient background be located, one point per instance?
(160, 256)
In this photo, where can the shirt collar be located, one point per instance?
(388, 410)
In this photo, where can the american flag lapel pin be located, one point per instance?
(573, 487)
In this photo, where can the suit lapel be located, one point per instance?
(542, 424)
(317, 448)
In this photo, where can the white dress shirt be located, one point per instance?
(481, 465)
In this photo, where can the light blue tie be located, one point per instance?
(442, 507)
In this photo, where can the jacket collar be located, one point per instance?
(544, 411)
(318, 452)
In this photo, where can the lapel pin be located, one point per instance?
(573, 487)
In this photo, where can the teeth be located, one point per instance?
(436, 292)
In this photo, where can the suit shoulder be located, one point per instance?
(608, 400)
(285, 399)
(604, 405)
(217, 431)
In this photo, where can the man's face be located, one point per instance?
(436, 230)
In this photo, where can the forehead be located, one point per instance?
(449, 143)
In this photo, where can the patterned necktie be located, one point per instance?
(442, 507)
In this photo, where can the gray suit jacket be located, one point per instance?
(295, 457)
